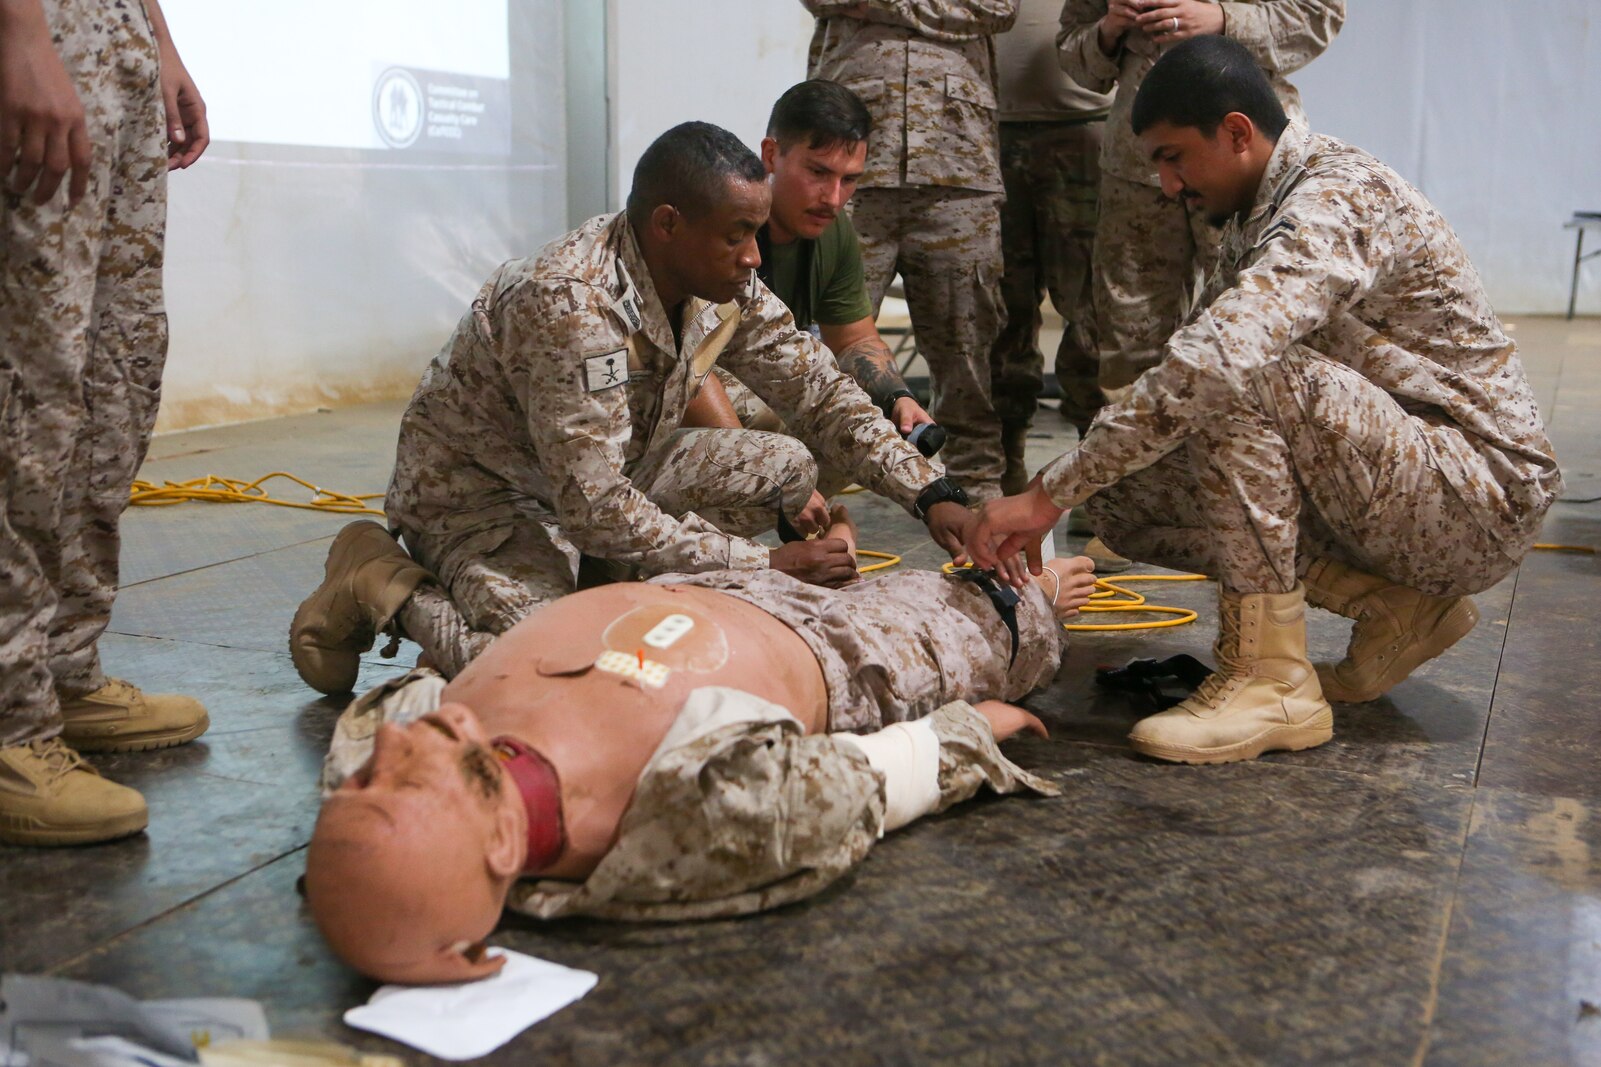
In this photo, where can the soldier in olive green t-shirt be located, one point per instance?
(815, 149)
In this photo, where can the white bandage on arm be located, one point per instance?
(907, 755)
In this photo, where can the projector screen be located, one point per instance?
(388, 75)
(374, 161)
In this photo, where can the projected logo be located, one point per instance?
(397, 108)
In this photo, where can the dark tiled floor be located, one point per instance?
(1425, 888)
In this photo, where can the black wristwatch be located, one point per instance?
(886, 403)
(938, 492)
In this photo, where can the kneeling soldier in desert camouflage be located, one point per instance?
(1343, 422)
(548, 432)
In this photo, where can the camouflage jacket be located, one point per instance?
(737, 811)
(1340, 254)
(564, 377)
(926, 70)
(1283, 35)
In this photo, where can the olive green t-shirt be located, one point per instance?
(836, 292)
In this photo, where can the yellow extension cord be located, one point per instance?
(214, 490)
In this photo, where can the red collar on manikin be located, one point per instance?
(541, 792)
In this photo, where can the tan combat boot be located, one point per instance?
(1106, 561)
(49, 796)
(1014, 442)
(1263, 696)
(1397, 629)
(119, 717)
(367, 578)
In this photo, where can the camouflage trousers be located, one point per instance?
(754, 414)
(1317, 463)
(1052, 174)
(946, 245)
(83, 341)
(1149, 251)
(735, 479)
(897, 647)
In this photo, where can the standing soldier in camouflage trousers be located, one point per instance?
(928, 204)
(1050, 149)
(98, 96)
(1343, 422)
(547, 433)
(1150, 247)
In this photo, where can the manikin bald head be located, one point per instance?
(412, 856)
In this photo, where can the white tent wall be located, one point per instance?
(1494, 111)
(302, 277)
(719, 61)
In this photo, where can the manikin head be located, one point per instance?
(412, 856)
(1209, 119)
(699, 197)
(815, 151)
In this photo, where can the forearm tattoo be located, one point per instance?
(872, 364)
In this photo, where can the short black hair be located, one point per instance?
(1199, 81)
(688, 167)
(822, 112)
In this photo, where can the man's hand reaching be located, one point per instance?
(826, 561)
(1011, 525)
(949, 524)
(814, 517)
(907, 414)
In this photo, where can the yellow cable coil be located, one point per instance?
(1106, 588)
(214, 490)
(889, 558)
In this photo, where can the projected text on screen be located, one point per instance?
(391, 75)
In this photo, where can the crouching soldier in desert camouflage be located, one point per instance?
(688, 747)
(1343, 423)
(548, 432)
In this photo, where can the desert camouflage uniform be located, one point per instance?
(1151, 249)
(1346, 391)
(928, 204)
(755, 415)
(546, 433)
(793, 812)
(1050, 163)
(83, 340)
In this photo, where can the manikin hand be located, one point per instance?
(1069, 583)
(1008, 526)
(825, 561)
(1194, 18)
(1006, 720)
(43, 135)
(907, 414)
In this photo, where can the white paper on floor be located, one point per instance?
(460, 1022)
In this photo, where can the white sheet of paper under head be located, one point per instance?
(471, 1019)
